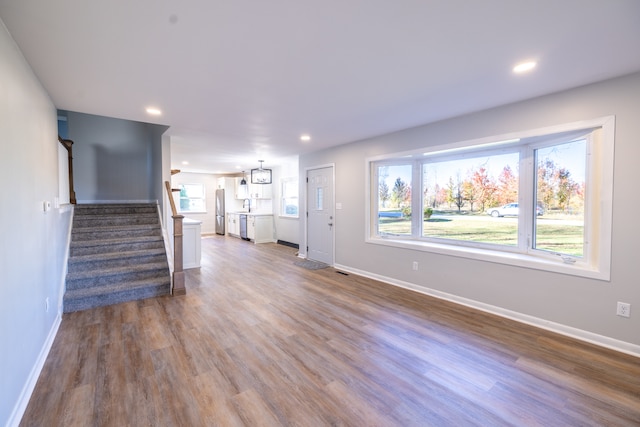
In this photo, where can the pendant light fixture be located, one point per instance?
(261, 175)
(243, 190)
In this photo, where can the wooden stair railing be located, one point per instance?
(68, 144)
(178, 272)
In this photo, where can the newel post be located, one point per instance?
(178, 273)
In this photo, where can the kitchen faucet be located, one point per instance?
(247, 202)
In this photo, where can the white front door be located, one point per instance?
(320, 214)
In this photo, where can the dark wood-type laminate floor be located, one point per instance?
(258, 341)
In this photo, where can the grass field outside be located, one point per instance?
(555, 232)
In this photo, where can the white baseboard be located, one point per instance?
(30, 385)
(590, 337)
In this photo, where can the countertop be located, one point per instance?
(191, 221)
(252, 213)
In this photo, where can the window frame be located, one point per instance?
(284, 198)
(203, 198)
(596, 260)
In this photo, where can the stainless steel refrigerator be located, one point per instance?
(220, 214)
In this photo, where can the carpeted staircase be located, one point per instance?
(117, 254)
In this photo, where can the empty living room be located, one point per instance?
(320, 213)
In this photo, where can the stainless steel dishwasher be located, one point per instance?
(243, 227)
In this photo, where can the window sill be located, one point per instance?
(192, 212)
(289, 216)
(550, 264)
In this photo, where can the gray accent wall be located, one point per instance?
(580, 306)
(115, 159)
(33, 242)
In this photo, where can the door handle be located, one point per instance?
(330, 224)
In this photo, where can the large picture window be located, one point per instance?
(540, 199)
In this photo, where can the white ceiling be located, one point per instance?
(241, 80)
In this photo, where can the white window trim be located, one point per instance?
(283, 213)
(203, 198)
(598, 266)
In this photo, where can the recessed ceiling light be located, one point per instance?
(154, 111)
(523, 67)
(305, 138)
(185, 162)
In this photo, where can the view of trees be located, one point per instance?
(478, 190)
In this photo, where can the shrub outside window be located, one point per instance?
(192, 198)
(539, 199)
(289, 198)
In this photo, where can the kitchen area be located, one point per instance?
(231, 206)
(244, 210)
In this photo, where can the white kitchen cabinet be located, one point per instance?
(233, 224)
(191, 243)
(260, 191)
(259, 227)
(253, 191)
(242, 191)
(251, 227)
(263, 228)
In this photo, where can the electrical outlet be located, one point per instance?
(624, 309)
(415, 265)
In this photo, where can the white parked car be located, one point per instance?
(510, 209)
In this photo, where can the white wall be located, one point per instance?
(156, 162)
(32, 243)
(580, 306)
(210, 182)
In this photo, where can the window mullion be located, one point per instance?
(416, 199)
(526, 192)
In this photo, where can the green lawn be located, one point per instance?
(553, 234)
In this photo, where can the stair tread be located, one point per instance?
(102, 215)
(116, 226)
(108, 256)
(115, 241)
(110, 271)
(94, 208)
(115, 287)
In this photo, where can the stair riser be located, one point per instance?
(76, 304)
(116, 247)
(114, 233)
(114, 210)
(115, 220)
(121, 277)
(85, 266)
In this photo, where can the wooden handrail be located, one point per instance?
(174, 211)
(68, 144)
(178, 262)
